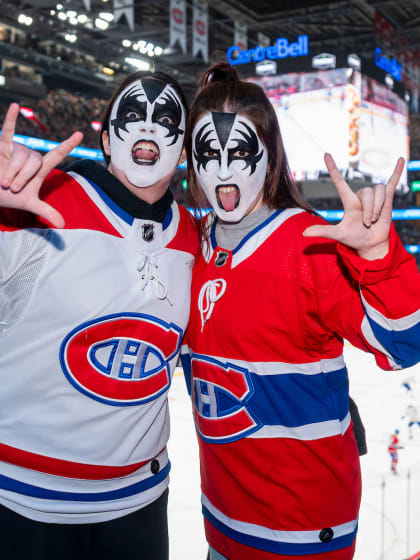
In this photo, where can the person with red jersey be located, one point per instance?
(95, 274)
(393, 447)
(274, 293)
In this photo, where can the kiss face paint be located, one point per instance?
(230, 162)
(146, 131)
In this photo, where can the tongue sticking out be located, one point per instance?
(228, 198)
(147, 155)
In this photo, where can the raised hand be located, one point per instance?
(22, 171)
(367, 214)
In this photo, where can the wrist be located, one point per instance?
(374, 253)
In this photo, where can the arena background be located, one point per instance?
(351, 87)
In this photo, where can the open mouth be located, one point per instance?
(145, 152)
(228, 197)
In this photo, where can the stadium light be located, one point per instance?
(25, 20)
(59, 6)
(71, 14)
(82, 18)
(126, 43)
(101, 24)
(73, 21)
(135, 47)
(107, 16)
(138, 63)
(70, 37)
(62, 16)
(158, 51)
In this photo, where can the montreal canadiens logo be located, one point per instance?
(220, 393)
(121, 359)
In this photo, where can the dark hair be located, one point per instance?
(221, 90)
(140, 75)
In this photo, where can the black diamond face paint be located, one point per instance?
(169, 115)
(130, 109)
(223, 123)
(152, 88)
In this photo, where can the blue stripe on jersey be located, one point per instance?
(45, 493)
(248, 235)
(167, 219)
(280, 547)
(257, 229)
(402, 345)
(109, 202)
(186, 366)
(304, 399)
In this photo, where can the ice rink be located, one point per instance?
(389, 527)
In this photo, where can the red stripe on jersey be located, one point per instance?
(290, 485)
(234, 550)
(187, 237)
(67, 196)
(60, 467)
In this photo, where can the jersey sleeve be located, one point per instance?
(375, 305)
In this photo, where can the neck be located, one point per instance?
(150, 194)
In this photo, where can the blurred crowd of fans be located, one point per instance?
(59, 115)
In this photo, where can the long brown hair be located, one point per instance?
(221, 90)
(140, 75)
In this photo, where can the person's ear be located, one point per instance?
(105, 143)
(182, 157)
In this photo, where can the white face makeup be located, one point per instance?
(146, 131)
(230, 162)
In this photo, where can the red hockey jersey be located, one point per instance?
(263, 358)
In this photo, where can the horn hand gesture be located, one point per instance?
(367, 214)
(22, 171)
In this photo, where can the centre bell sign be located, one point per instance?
(281, 49)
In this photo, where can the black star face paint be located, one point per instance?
(230, 162)
(146, 134)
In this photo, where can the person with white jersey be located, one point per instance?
(95, 274)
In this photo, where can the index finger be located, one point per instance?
(9, 123)
(55, 156)
(345, 192)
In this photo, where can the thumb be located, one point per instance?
(330, 232)
(44, 210)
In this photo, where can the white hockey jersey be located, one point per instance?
(92, 318)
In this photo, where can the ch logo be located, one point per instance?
(220, 392)
(122, 359)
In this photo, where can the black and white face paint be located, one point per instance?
(230, 162)
(146, 131)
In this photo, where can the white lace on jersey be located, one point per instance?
(150, 274)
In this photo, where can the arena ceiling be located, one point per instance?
(339, 27)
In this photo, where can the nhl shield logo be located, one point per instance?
(148, 232)
(221, 258)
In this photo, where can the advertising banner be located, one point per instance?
(200, 30)
(126, 8)
(178, 24)
(241, 36)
